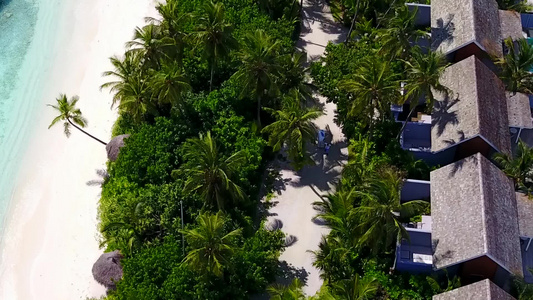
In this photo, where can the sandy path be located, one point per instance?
(298, 190)
(50, 241)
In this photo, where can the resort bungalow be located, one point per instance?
(423, 14)
(525, 224)
(519, 115)
(475, 222)
(415, 255)
(473, 117)
(413, 189)
(481, 290)
(459, 29)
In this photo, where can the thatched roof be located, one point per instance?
(525, 215)
(511, 25)
(474, 214)
(481, 290)
(476, 107)
(518, 110)
(113, 147)
(457, 24)
(107, 269)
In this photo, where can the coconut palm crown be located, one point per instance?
(71, 115)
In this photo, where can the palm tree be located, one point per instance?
(336, 211)
(355, 288)
(354, 19)
(259, 66)
(172, 24)
(423, 78)
(210, 173)
(293, 127)
(151, 44)
(381, 213)
(69, 113)
(291, 292)
(169, 84)
(520, 167)
(211, 247)
(214, 33)
(515, 66)
(360, 165)
(522, 290)
(294, 75)
(124, 70)
(330, 258)
(374, 88)
(136, 97)
(520, 6)
(451, 283)
(400, 33)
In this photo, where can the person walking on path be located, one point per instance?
(326, 149)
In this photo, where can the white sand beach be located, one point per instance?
(51, 239)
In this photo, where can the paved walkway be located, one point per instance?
(298, 190)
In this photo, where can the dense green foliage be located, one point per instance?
(515, 66)
(188, 104)
(209, 92)
(363, 77)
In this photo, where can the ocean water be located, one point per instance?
(18, 19)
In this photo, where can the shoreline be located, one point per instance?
(50, 240)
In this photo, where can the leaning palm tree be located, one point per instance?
(355, 288)
(209, 173)
(381, 213)
(259, 67)
(215, 34)
(373, 88)
(520, 6)
(72, 116)
(291, 292)
(401, 33)
(423, 78)
(515, 66)
(518, 167)
(294, 128)
(211, 247)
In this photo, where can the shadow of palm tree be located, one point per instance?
(443, 254)
(325, 172)
(443, 32)
(443, 114)
(276, 224)
(102, 173)
(290, 240)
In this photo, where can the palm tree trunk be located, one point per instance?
(353, 23)
(212, 73)
(405, 123)
(86, 132)
(259, 110)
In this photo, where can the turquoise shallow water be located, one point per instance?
(17, 25)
